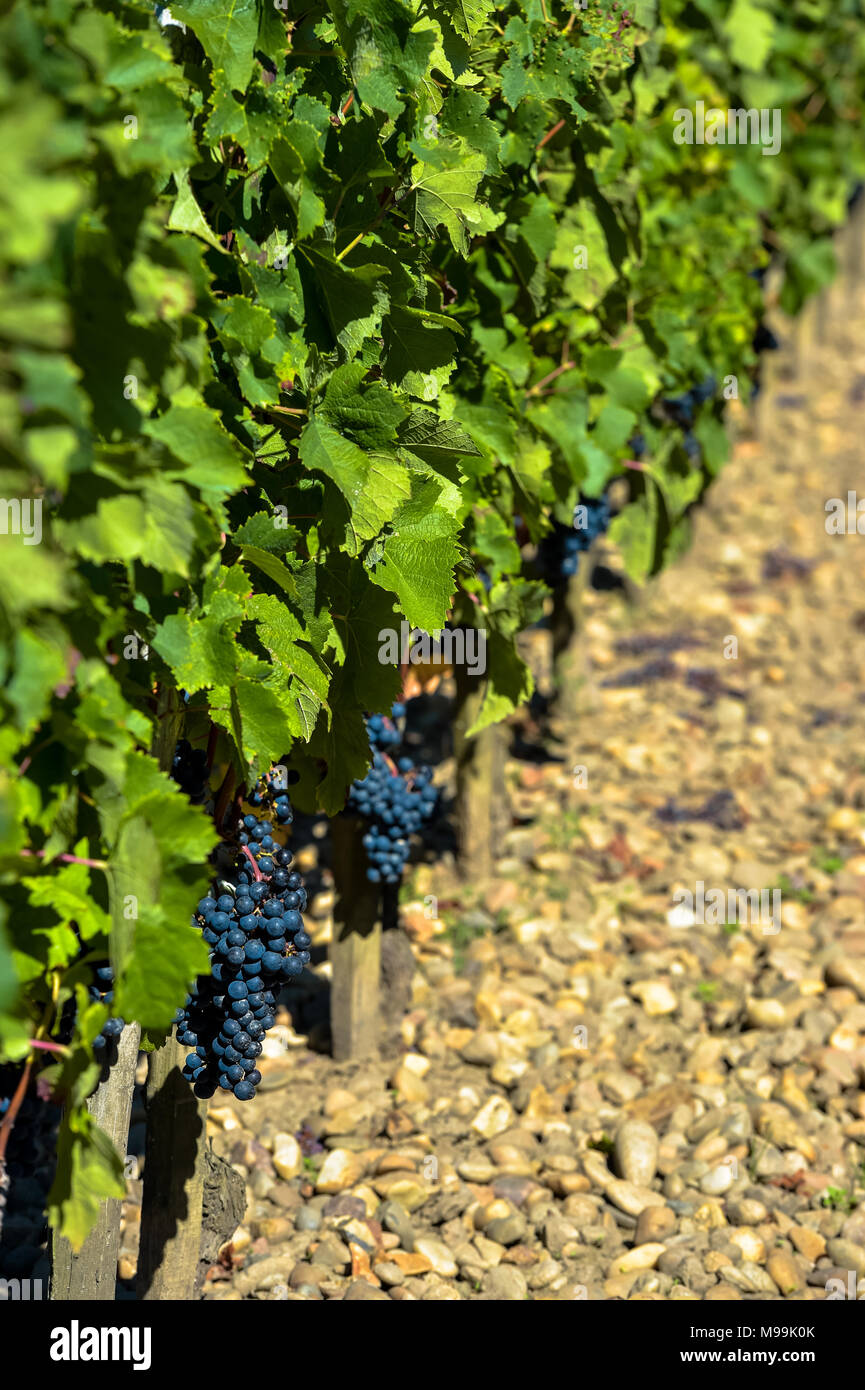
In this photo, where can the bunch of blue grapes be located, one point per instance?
(269, 793)
(559, 551)
(681, 408)
(189, 771)
(102, 992)
(397, 800)
(383, 733)
(258, 943)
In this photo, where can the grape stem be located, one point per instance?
(553, 131)
(256, 871)
(551, 376)
(8, 1122)
(66, 858)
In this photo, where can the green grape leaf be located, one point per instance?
(227, 33)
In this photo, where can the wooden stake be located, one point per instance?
(174, 1172)
(91, 1275)
(355, 952)
(481, 802)
(175, 1150)
(566, 627)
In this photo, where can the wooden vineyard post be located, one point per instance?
(355, 952)
(91, 1274)
(174, 1171)
(174, 1155)
(566, 626)
(854, 244)
(481, 800)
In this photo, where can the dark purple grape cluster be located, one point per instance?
(189, 771)
(269, 793)
(397, 800)
(102, 992)
(252, 923)
(382, 731)
(559, 551)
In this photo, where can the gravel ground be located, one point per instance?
(593, 1093)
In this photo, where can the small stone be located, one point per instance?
(809, 1243)
(411, 1264)
(307, 1219)
(722, 1293)
(240, 1241)
(273, 1270)
(493, 1118)
(261, 1184)
(333, 1253)
(620, 1285)
(394, 1217)
(505, 1283)
(596, 1168)
(641, 1257)
(489, 1251)
(287, 1156)
(341, 1169)
(482, 1049)
(766, 1013)
(512, 1160)
(478, 1170)
(303, 1273)
(390, 1274)
(275, 1229)
(442, 1293)
(346, 1204)
(846, 1254)
(854, 1226)
(653, 1224)
(636, 1152)
(631, 1198)
(559, 1233)
(409, 1086)
(351, 1119)
(656, 997)
(746, 1211)
(718, 1180)
(710, 1215)
(752, 1246)
(360, 1290)
(438, 1254)
(847, 970)
(775, 1123)
(507, 1230)
(785, 1271)
(406, 1188)
(507, 1071)
(224, 1116)
(845, 820)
